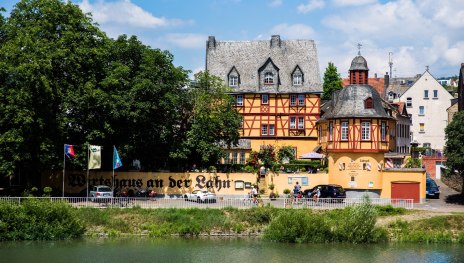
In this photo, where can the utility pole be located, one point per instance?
(390, 62)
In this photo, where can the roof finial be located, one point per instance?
(427, 68)
(359, 49)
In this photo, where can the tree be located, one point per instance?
(454, 150)
(211, 122)
(50, 50)
(332, 81)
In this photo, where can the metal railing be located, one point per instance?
(219, 202)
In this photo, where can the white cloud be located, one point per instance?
(189, 40)
(455, 54)
(310, 6)
(352, 2)
(295, 31)
(276, 3)
(125, 13)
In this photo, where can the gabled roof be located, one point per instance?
(249, 56)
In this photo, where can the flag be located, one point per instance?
(69, 150)
(95, 157)
(116, 160)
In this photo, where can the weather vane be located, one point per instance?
(359, 49)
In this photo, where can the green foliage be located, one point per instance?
(454, 149)
(413, 163)
(332, 81)
(39, 220)
(286, 191)
(267, 156)
(300, 226)
(389, 210)
(47, 191)
(286, 152)
(211, 121)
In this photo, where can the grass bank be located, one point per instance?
(42, 220)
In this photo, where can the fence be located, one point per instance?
(219, 202)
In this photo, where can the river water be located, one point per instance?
(222, 250)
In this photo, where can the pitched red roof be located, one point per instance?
(377, 83)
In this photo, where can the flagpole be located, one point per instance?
(88, 157)
(64, 166)
(114, 148)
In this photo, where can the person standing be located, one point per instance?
(296, 189)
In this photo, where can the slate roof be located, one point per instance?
(249, 56)
(377, 83)
(349, 103)
(359, 63)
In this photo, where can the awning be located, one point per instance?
(312, 155)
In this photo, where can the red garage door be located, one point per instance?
(406, 190)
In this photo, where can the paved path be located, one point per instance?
(439, 205)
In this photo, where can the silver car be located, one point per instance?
(100, 193)
(201, 196)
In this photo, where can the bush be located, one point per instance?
(39, 220)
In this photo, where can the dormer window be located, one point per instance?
(368, 103)
(268, 78)
(297, 76)
(297, 79)
(233, 81)
(234, 77)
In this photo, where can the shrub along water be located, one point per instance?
(39, 220)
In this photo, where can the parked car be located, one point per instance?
(432, 190)
(327, 191)
(100, 193)
(201, 196)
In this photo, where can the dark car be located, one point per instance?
(327, 191)
(432, 190)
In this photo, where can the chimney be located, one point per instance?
(211, 43)
(275, 41)
(386, 80)
(375, 76)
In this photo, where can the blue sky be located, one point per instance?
(418, 33)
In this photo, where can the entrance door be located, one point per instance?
(406, 190)
(438, 166)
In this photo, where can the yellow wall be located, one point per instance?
(403, 175)
(179, 183)
(354, 165)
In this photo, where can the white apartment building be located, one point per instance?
(426, 101)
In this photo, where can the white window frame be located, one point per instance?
(301, 123)
(242, 157)
(426, 94)
(292, 122)
(264, 130)
(421, 127)
(239, 100)
(301, 99)
(365, 131)
(293, 99)
(234, 157)
(268, 78)
(421, 110)
(344, 131)
(271, 129)
(264, 99)
(409, 102)
(297, 79)
(233, 81)
(383, 131)
(435, 93)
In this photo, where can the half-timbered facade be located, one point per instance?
(276, 85)
(356, 129)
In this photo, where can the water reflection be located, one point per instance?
(221, 250)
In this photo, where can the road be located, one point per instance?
(439, 205)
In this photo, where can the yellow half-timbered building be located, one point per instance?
(276, 85)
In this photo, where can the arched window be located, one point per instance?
(268, 78)
(368, 103)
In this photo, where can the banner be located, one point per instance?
(95, 157)
(69, 151)
(116, 160)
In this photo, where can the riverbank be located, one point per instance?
(365, 223)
